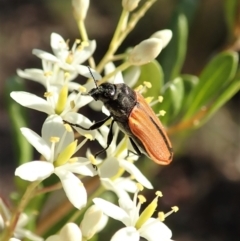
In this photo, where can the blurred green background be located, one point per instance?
(204, 177)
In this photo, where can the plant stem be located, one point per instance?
(84, 36)
(114, 44)
(122, 31)
(23, 203)
(121, 67)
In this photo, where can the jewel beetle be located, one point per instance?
(135, 118)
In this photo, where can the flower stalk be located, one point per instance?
(20, 208)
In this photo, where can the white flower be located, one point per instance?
(60, 103)
(117, 157)
(57, 146)
(70, 232)
(19, 232)
(62, 66)
(137, 225)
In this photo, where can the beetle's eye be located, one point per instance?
(109, 92)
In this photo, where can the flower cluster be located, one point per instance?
(59, 148)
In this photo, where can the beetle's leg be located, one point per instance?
(135, 147)
(93, 127)
(109, 140)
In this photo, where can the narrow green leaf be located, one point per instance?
(189, 82)
(173, 56)
(18, 116)
(229, 92)
(173, 94)
(231, 10)
(214, 78)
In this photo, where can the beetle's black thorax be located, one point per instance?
(119, 99)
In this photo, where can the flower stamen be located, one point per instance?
(66, 154)
(148, 211)
(62, 99)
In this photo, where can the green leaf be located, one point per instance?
(18, 116)
(231, 14)
(229, 92)
(189, 82)
(152, 72)
(173, 94)
(173, 56)
(212, 81)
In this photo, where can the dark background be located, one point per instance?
(204, 178)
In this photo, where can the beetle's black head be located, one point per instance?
(119, 99)
(103, 92)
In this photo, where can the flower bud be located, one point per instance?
(145, 52)
(165, 35)
(80, 8)
(70, 231)
(91, 221)
(130, 5)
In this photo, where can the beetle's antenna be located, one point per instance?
(95, 81)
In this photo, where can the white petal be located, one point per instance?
(118, 78)
(35, 170)
(71, 232)
(112, 210)
(54, 127)
(132, 75)
(126, 184)
(155, 230)
(76, 118)
(84, 71)
(58, 45)
(44, 55)
(109, 168)
(126, 234)
(127, 204)
(32, 74)
(105, 110)
(131, 168)
(73, 188)
(82, 101)
(102, 136)
(37, 141)
(96, 105)
(110, 185)
(73, 86)
(84, 54)
(79, 168)
(32, 101)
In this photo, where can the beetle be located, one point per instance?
(135, 118)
